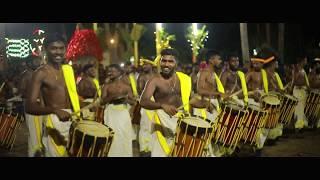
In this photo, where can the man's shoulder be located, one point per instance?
(41, 70)
(226, 73)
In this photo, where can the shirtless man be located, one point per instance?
(34, 124)
(146, 115)
(301, 85)
(254, 81)
(117, 95)
(209, 92)
(53, 82)
(169, 97)
(258, 86)
(274, 84)
(209, 87)
(88, 89)
(231, 79)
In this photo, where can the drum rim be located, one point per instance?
(91, 132)
(268, 96)
(198, 118)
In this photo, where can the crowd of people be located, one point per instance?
(145, 103)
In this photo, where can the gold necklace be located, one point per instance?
(55, 74)
(174, 85)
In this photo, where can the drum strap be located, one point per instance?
(149, 114)
(38, 131)
(220, 89)
(280, 85)
(185, 88)
(265, 80)
(133, 85)
(96, 83)
(243, 86)
(162, 140)
(306, 78)
(61, 150)
(71, 86)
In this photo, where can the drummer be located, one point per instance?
(301, 85)
(209, 88)
(118, 96)
(233, 80)
(55, 83)
(314, 80)
(171, 92)
(274, 84)
(258, 84)
(130, 78)
(146, 115)
(88, 89)
(209, 92)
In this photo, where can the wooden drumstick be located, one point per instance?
(236, 93)
(2, 85)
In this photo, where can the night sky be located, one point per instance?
(222, 36)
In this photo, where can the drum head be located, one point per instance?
(196, 121)
(271, 99)
(93, 128)
(315, 91)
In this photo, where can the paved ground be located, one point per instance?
(291, 146)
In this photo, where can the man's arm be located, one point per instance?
(33, 107)
(131, 100)
(146, 103)
(145, 100)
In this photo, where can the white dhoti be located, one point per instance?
(145, 134)
(55, 135)
(167, 129)
(117, 117)
(262, 134)
(275, 132)
(202, 112)
(299, 116)
(34, 124)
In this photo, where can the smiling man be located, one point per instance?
(55, 84)
(170, 91)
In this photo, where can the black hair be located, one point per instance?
(117, 66)
(86, 67)
(230, 55)
(53, 37)
(211, 53)
(171, 52)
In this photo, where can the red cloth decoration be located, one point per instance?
(84, 43)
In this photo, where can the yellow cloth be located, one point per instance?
(55, 131)
(71, 86)
(185, 85)
(133, 85)
(280, 84)
(265, 80)
(243, 86)
(34, 124)
(306, 78)
(96, 83)
(220, 89)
